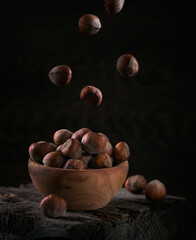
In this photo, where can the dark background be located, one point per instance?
(153, 112)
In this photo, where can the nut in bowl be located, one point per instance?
(87, 189)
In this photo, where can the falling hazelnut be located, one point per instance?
(113, 6)
(91, 96)
(155, 190)
(60, 75)
(38, 150)
(53, 159)
(89, 24)
(80, 133)
(135, 183)
(121, 151)
(74, 164)
(61, 136)
(93, 143)
(127, 65)
(102, 160)
(72, 148)
(53, 206)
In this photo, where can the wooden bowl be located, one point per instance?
(87, 189)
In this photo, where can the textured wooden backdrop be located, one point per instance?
(154, 112)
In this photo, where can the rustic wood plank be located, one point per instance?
(127, 216)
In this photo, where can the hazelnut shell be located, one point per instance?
(91, 96)
(60, 75)
(127, 65)
(113, 6)
(74, 164)
(89, 24)
(93, 143)
(102, 160)
(53, 206)
(136, 183)
(72, 148)
(155, 190)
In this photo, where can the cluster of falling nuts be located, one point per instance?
(82, 149)
(154, 190)
(126, 64)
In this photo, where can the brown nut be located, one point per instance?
(38, 150)
(53, 159)
(105, 136)
(93, 143)
(91, 96)
(108, 148)
(74, 164)
(72, 148)
(58, 149)
(136, 183)
(127, 65)
(121, 151)
(53, 206)
(61, 136)
(89, 24)
(86, 159)
(113, 6)
(60, 75)
(80, 133)
(155, 190)
(53, 145)
(102, 160)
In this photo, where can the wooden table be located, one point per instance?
(127, 216)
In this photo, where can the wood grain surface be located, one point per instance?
(127, 216)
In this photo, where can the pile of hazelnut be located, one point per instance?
(154, 190)
(82, 149)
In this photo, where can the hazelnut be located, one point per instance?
(49, 143)
(61, 136)
(60, 75)
(53, 159)
(135, 183)
(89, 24)
(121, 151)
(74, 164)
(102, 160)
(93, 143)
(86, 159)
(127, 65)
(113, 6)
(72, 148)
(105, 136)
(108, 148)
(91, 96)
(53, 206)
(80, 133)
(38, 150)
(53, 145)
(58, 149)
(155, 190)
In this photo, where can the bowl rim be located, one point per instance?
(122, 164)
